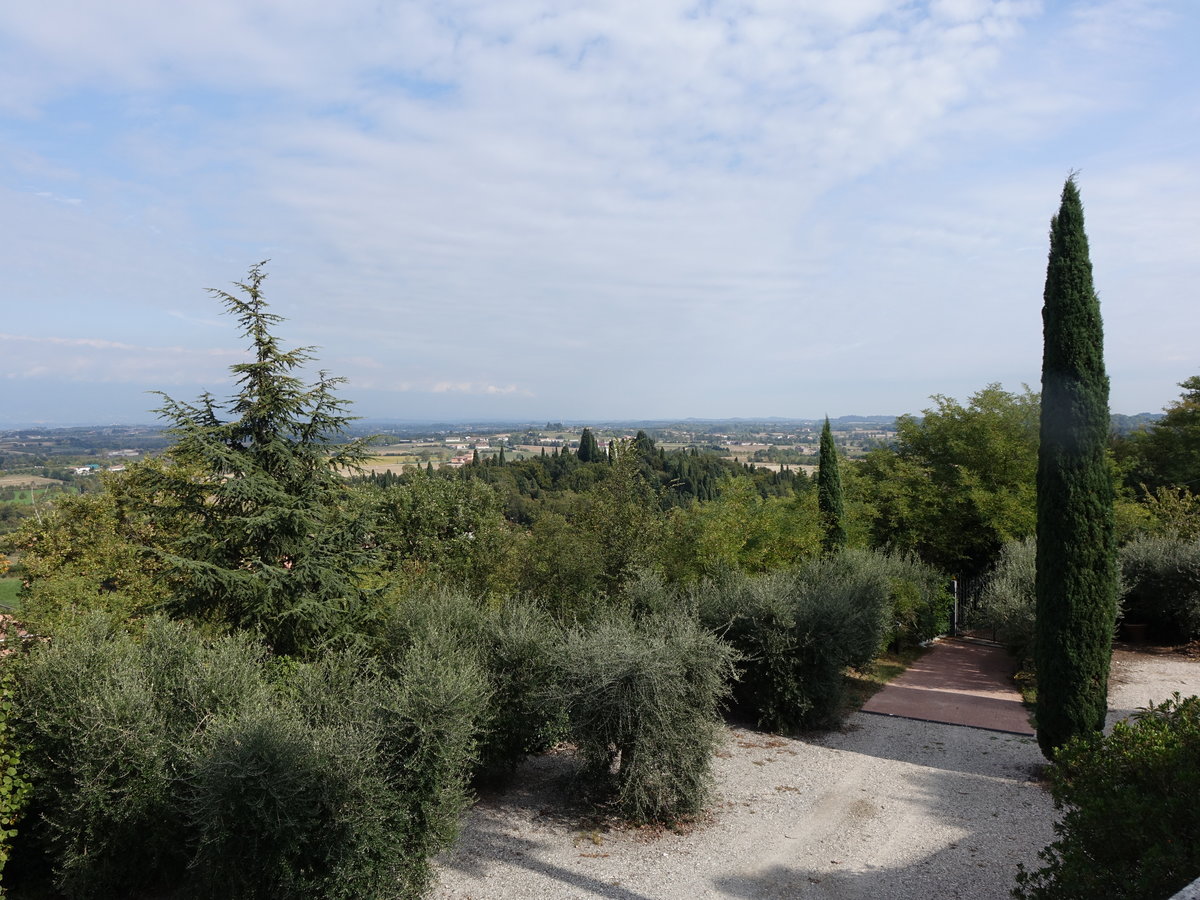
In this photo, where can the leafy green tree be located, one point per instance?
(434, 529)
(830, 500)
(267, 538)
(740, 530)
(93, 551)
(1076, 582)
(1167, 455)
(959, 483)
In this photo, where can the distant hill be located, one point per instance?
(1123, 424)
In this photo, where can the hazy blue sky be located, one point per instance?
(591, 210)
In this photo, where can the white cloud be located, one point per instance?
(507, 194)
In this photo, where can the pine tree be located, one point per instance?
(261, 531)
(830, 501)
(1076, 581)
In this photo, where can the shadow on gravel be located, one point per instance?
(785, 883)
(955, 748)
(492, 847)
(540, 792)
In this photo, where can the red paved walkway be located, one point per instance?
(958, 683)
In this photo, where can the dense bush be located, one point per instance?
(1132, 823)
(515, 644)
(14, 789)
(642, 699)
(798, 631)
(1162, 586)
(920, 601)
(1008, 604)
(108, 721)
(165, 760)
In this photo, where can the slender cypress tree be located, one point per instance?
(1076, 581)
(830, 501)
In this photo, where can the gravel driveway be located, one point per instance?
(884, 808)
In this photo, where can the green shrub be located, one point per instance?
(1132, 823)
(108, 720)
(346, 786)
(920, 600)
(515, 644)
(642, 700)
(797, 632)
(1007, 604)
(260, 790)
(165, 761)
(14, 788)
(1162, 586)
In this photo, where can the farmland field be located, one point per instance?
(20, 481)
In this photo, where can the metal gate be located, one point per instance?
(965, 617)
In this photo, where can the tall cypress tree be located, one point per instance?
(1076, 581)
(830, 502)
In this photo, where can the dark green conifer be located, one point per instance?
(265, 537)
(589, 450)
(475, 457)
(1076, 580)
(501, 456)
(830, 501)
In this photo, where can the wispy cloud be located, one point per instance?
(24, 357)
(596, 205)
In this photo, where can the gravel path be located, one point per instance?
(884, 808)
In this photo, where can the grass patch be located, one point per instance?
(8, 592)
(861, 685)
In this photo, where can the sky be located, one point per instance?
(609, 209)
